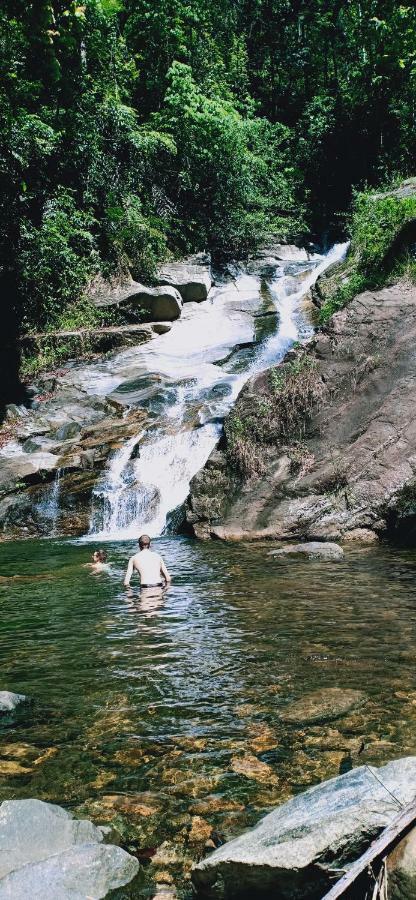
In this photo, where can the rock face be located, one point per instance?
(355, 466)
(322, 706)
(309, 550)
(293, 851)
(191, 277)
(10, 701)
(45, 853)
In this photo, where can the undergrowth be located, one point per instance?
(279, 416)
(377, 255)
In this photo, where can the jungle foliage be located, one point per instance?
(135, 129)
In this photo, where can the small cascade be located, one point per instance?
(188, 381)
(48, 508)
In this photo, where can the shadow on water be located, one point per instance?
(152, 712)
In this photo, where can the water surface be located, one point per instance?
(150, 713)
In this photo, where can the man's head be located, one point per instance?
(99, 556)
(144, 542)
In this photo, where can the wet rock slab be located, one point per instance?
(46, 854)
(296, 850)
(323, 705)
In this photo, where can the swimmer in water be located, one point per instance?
(98, 561)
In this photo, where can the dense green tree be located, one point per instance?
(132, 129)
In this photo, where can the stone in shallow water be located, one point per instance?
(200, 831)
(295, 849)
(11, 767)
(10, 701)
(310, 550)
(251, 767)
(45, 853)
(323, 705)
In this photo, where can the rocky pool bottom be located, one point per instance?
(181, 722)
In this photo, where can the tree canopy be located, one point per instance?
(135, 129)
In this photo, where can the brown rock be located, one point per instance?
(262, 738)
(253, 768)
(200, 831)
(9, 767)
(210, 805)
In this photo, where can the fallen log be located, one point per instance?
(381, 847)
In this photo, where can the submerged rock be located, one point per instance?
(295, 851)
(10, 701)
(310, 550)
(323, 705)
(251, 767)
(46, 854)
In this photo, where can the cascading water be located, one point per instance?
(48, 507)
(188, 380)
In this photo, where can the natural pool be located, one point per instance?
(165, 717)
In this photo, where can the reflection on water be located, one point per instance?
(163, 713)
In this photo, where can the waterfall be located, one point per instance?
(188, 380)
(48, 507)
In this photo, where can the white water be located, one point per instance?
(48, 507)
(188, 379)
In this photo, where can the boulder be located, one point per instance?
(158, 304)
(191, 277)
(323, 705)
(9, 701)
(309, 550)
(45, 853)
(298, 849)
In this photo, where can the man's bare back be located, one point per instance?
(149, 565)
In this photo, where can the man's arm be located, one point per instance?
(165, 572)
(129, 572)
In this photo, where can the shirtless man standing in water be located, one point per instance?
(150, 566)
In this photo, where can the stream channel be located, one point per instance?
(166, 717)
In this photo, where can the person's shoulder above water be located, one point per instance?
(98, 561)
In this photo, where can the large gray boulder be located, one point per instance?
(158, 304)
(161, 304)
(46, 854)
(296, 851)
(191, 277)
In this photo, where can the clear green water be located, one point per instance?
(143, 710)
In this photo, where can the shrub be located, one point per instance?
(279, 416)
(56, 260)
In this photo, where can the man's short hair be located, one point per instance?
(144, 541)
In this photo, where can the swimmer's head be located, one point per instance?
(144, 542)
(99, 556)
